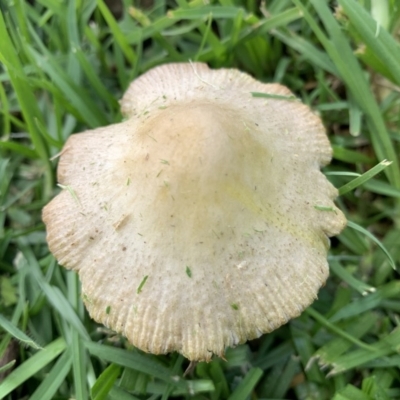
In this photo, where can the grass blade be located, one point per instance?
(334, 349)
(105, 382)
(346, 276)
(368, 234)
(247, 385)
(351, 73)
(49, 386)
(375, 37)
(118, 35)
(332, 327)
(32, 366)
(365, 303)
(364, 177)
(356, 358)
(135, 361)
(26, 99)
(17, 334)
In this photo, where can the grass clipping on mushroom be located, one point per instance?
(202, 220)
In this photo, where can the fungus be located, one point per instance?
(202, 220)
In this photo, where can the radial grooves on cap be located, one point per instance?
(158, 88)
(62, 242)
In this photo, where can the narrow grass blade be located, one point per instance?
(333, 328)
(105, 382)
(307, 49)
(32, 366)
(364, 177)
(79, 365)
(274, 96)
(346, 276)
(49, 386)
(72, 25)
(118, 35)
(355, 241)
(219, 379)
(247, 385)
(384, 362)
(175, 370)
(375, 387)
(72, 93)
(204, 12)
(143, 19)
(279, 353)
(382, 44)
(7, 366)
(305, 348)
(350, 392)
(342, 173)
(94, 80)
(366, 303)
(20, 149)
(5, 111)
(205, 34)
(285, 381)
(13, 199)
(355, 118)
(26, 99)
(388, 345)
(368, 234)
(53, 294)
(80, 359)
(265, 26)
(334, 349)
(17, 334)
(135, 361)
(192, 388)
(61, 304)
(381, 187)
(350, 71)
(350, 156)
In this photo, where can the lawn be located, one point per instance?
(64, 66)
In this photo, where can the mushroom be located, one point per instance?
(202, 220)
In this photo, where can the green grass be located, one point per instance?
(65, 64)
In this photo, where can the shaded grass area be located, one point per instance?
(65, 64)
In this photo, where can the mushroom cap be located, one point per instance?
(202, 220)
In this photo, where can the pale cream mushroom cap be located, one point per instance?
(201, 221)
